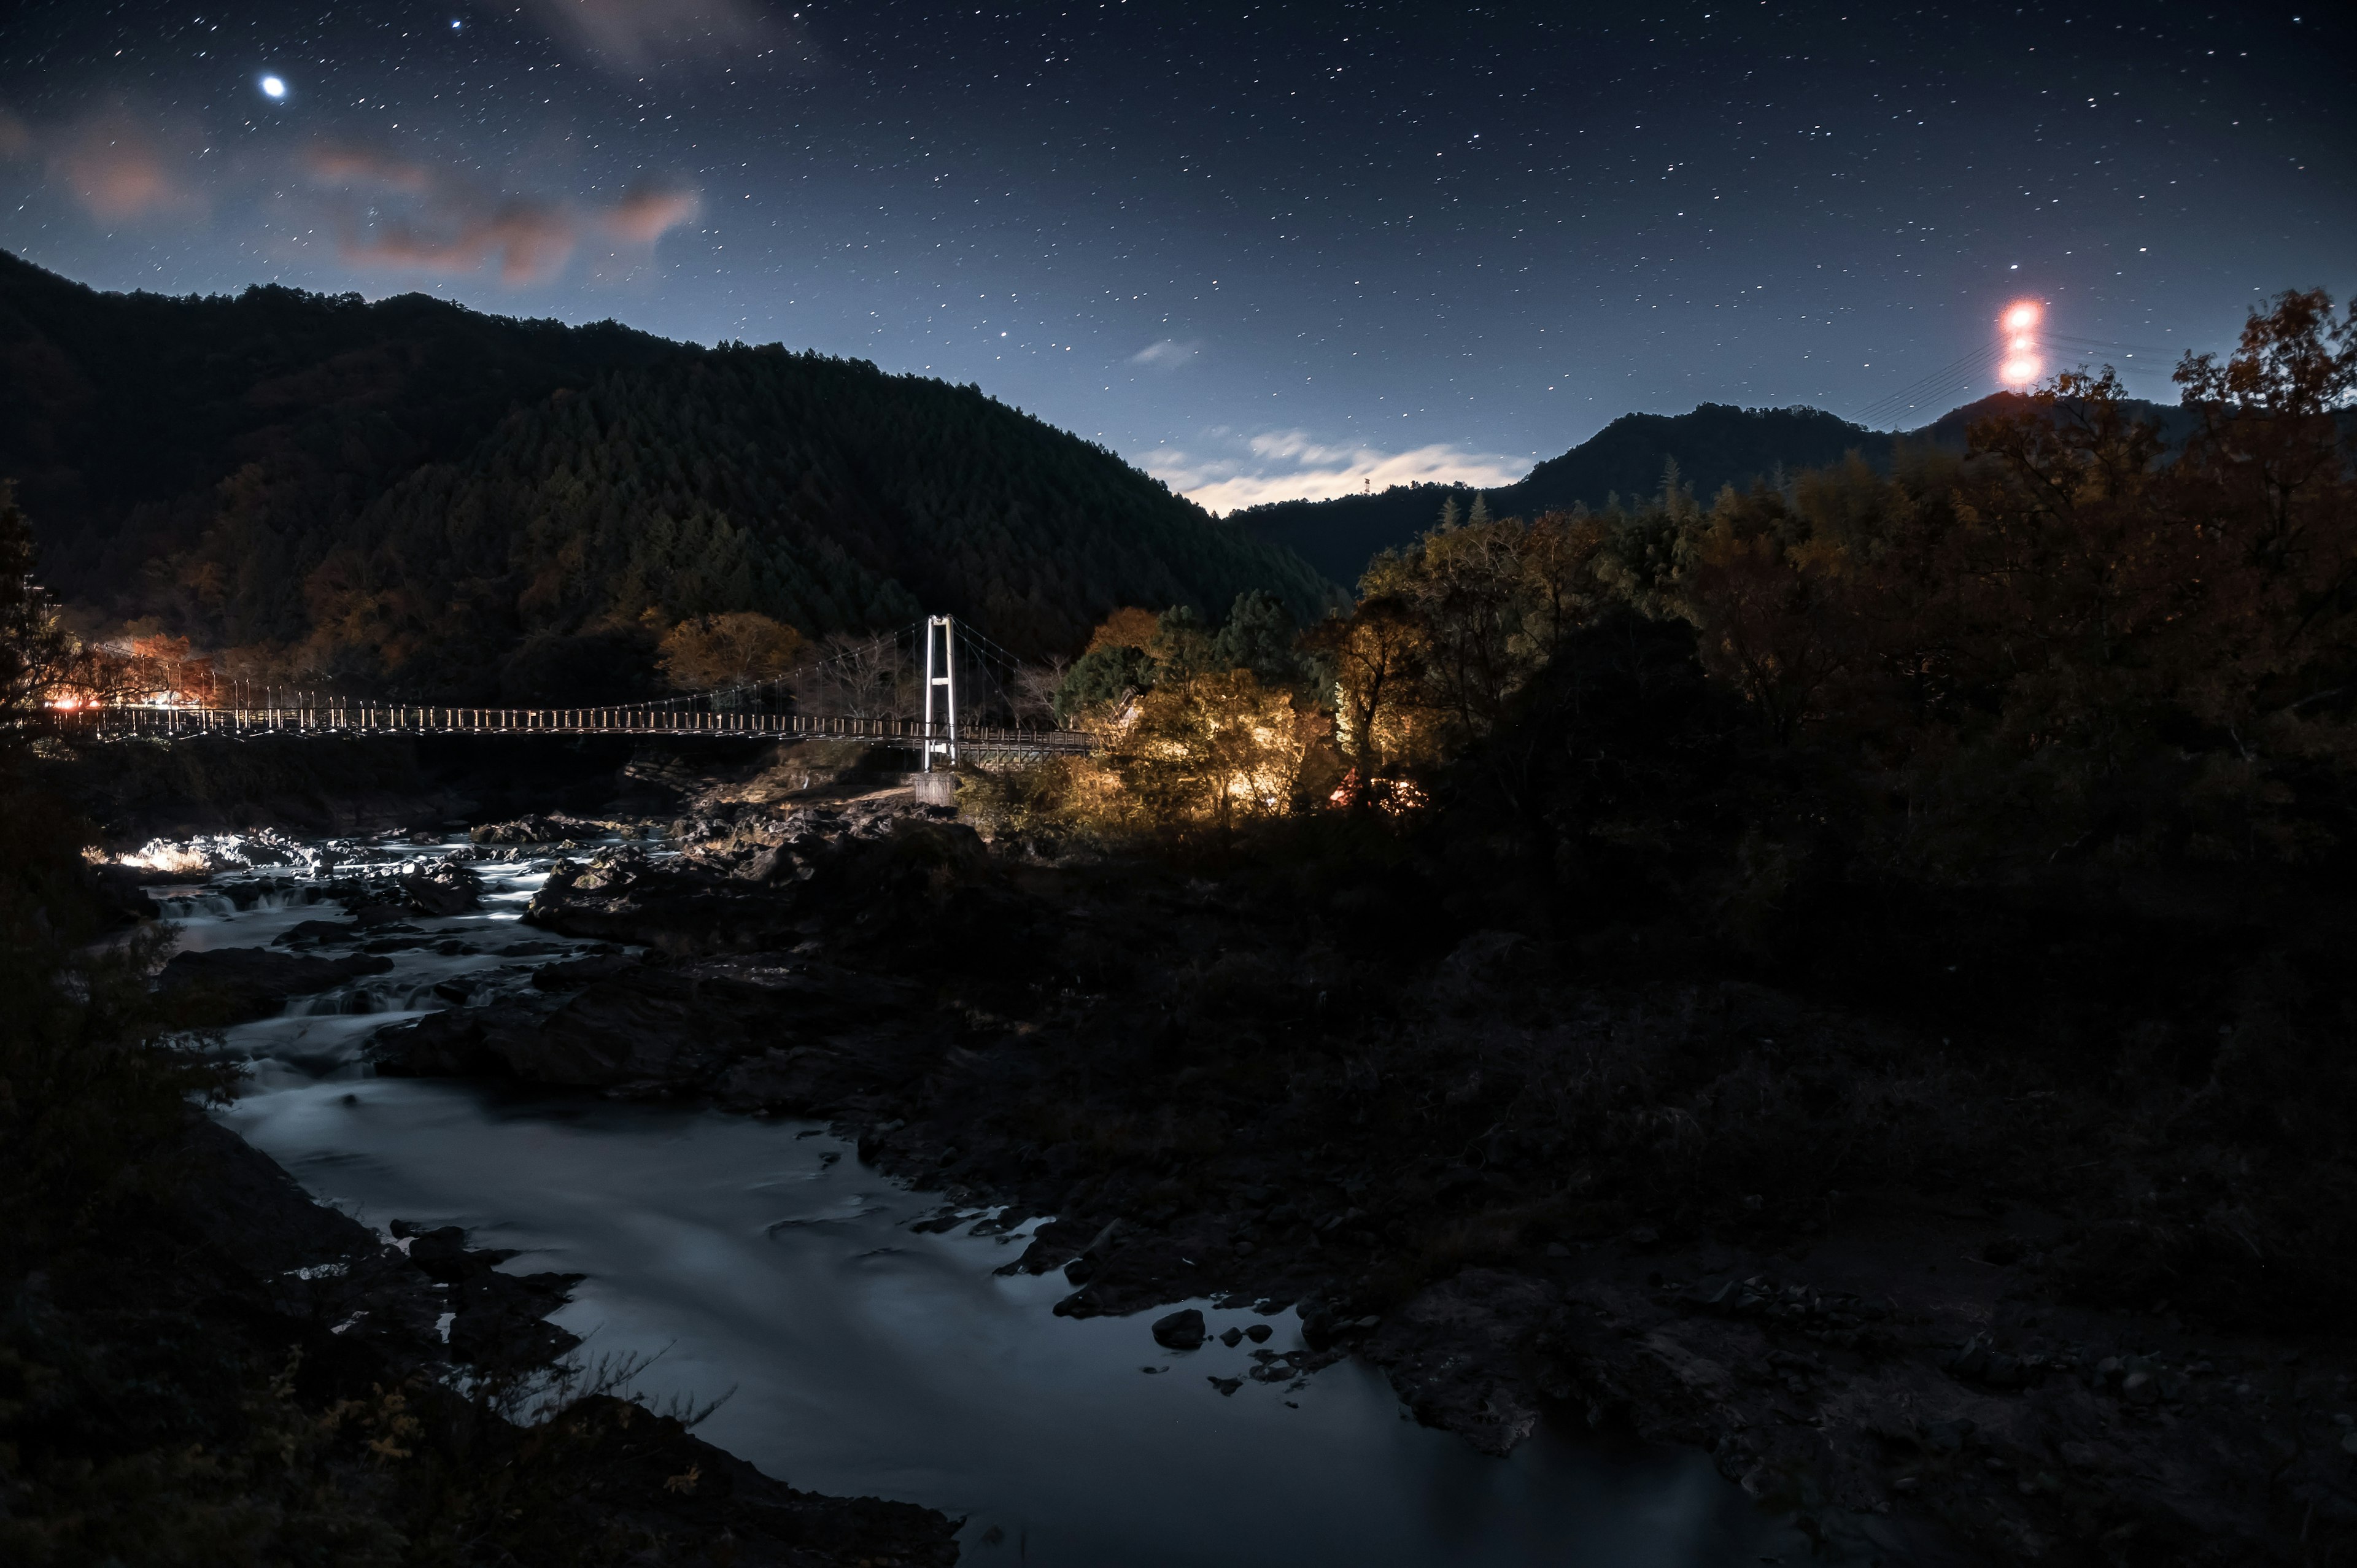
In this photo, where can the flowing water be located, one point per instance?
(759, 1259)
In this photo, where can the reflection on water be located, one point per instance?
(760, 1257)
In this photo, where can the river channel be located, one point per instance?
(759, 1259)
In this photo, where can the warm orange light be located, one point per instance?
(2021, 371)
(2023, 316)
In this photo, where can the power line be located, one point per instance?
(1940, 384)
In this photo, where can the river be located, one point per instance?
(759, 1259)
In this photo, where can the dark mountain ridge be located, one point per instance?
(1714, 445)
(412, 497)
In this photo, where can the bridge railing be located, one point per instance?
(128, 720)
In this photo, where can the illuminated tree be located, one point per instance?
(1377, 655)
(1210, 747)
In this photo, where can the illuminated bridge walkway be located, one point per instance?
(955, 661)
(391, 718)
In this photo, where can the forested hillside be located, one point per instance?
(408, 497)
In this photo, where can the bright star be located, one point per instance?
(273, 87)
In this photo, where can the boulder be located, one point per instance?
(1180, 1331)
(237, 985)
(444, 889)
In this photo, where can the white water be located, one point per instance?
(759, 1256)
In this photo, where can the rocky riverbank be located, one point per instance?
(414, 1394)
(1849, 1265)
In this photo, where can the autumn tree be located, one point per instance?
(1128, 627)
(738, 648)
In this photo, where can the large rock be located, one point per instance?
(682, 905)
(754, 1030)
(237, 985)
(1179, 1331)
(445, 888)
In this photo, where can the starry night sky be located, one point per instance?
(1260, 250)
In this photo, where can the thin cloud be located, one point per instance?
(118, 168)
(526, 243)
(634, 34)
(1168, 354)
(646, 214)
(365, 165)
(443, 222)
(1291, 465)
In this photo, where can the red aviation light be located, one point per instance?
(2022, 362)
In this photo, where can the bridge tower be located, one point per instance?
(943, 675)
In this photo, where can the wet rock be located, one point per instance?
(311, 931)
(1231, 1337)
(441, 1252)
(681, 1025)
(237, 985)
(473, 1042)
(1258, 1333)
(537, 828)
(1230, 1385)
(1180, 1330)
(444, 889)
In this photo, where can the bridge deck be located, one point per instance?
(394, 718)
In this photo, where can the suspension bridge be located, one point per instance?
(873, 676)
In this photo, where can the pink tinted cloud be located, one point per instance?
(526, 243)
(646, 214)
(339, 164)
(118, 169)
(443, 222)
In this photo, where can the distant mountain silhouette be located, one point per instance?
(1716, 445)
(422, 499)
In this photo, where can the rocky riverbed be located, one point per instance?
(1514, 1184)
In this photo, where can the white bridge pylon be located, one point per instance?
(946, 682)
